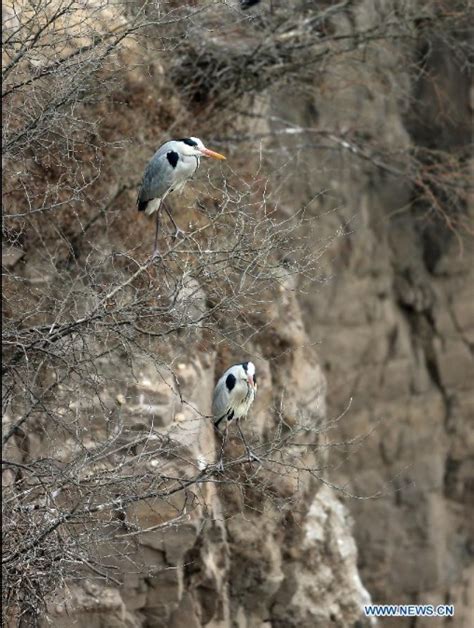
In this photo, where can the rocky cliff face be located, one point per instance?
(258, 547)
(372, 360)
(395, 322)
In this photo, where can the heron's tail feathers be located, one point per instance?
(217, 421)
(149, 207)
(228, 414)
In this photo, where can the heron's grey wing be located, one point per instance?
(158, 177)
(220, 401)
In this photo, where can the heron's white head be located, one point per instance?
(248, 373)
(193, 147)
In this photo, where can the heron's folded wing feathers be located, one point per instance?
(157, 179)
(220, 401)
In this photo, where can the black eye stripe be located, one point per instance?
(188, 141)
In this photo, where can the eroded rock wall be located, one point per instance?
(394, 322)
(247, 555)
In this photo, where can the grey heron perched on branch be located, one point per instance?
(233, 395)
(173, 164)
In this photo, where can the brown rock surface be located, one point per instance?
(394, 331)
(387, 398)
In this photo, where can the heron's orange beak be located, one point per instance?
(210, 153)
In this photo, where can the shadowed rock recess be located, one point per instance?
(364, 416)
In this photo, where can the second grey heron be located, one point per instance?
(233, 395)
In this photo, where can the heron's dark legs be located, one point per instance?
(220, 462)
(155, 245)
(251, 456)
(178, 231)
